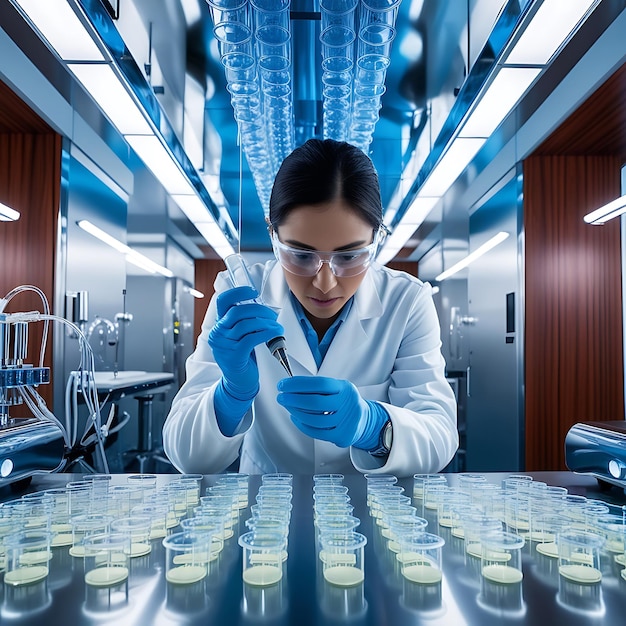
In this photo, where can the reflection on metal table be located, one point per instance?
(302, 596)
(130, 382)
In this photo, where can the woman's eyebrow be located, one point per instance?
(350, 246)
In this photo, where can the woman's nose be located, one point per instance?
(324, 280)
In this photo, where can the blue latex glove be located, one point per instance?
(241, 326)
(332, 410)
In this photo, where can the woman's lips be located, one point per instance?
(323, 303)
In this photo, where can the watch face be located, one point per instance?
(388, 436)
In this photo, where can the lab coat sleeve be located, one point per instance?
(192, 439)
(421, 404)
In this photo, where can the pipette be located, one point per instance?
(240, 277)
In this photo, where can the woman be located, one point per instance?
(368, 391)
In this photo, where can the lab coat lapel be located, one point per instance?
(275, 294)
(352, 332)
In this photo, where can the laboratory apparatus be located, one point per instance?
(37, 442)
(240, 277)
(598, 449)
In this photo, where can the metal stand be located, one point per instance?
(146, 453)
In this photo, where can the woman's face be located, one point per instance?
(327, 227)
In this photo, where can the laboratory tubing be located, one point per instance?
(106, 559)
(579, 556)
(344, 559)
(187, 555)
(420, 557)
(27, 557)
(501, 560)
(137, 529)
(262, 557)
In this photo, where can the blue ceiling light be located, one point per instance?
(526, 37)
(82, 34)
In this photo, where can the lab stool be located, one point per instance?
(146, 454)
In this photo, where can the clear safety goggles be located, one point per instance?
(343, 264)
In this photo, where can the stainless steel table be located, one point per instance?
(303, 597)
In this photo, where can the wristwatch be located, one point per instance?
(385, 441)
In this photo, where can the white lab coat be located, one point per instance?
(389, 346)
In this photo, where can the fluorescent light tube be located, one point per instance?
(470, 258)
(498, 100)
(159, 161)
(132, 256)
(7, 214)
(62, 29)
(147, 264)
(105, 87)
(607, 212)
(550, 27)
(195, 293)
(449, 168)
(214, 235)
(193, 207)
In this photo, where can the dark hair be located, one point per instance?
(323, 170)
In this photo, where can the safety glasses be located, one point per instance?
(343, 264)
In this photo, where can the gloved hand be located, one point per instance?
(332, 410)
(241, 326)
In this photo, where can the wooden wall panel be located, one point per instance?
(574, 367)
(206, 270)
(30, 182)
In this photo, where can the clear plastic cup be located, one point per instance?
(501, 560)
(85, 525)
(106, 559)
(158, 514)
(137, 528)
(27, 557)
(262, 557)
(213, 526)
(422, 481)
(187, 555)
(328, 479)
(547, 528)
(420, 557)
(475, 528)
(146, 482)
(344, 559)
(401, 526)
(279, 477)
(579, 556)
